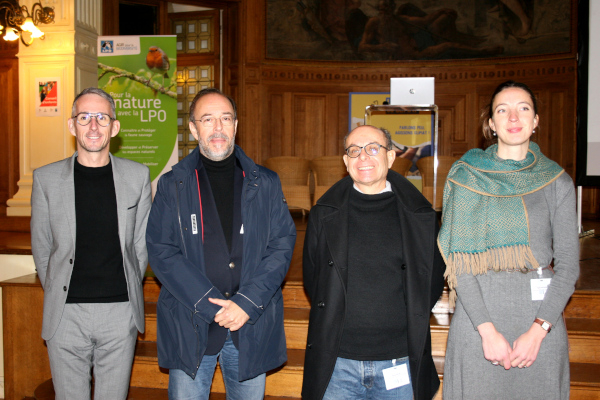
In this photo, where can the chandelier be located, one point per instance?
(16, 20)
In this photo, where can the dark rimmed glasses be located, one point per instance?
(371, 149)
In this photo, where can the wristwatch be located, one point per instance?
(544, 324)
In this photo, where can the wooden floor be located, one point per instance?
(149, 382)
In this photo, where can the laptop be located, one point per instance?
(412, 91)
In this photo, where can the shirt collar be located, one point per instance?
(388, 188)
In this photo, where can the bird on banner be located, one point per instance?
(158, 62)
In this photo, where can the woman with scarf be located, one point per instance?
(509, 239)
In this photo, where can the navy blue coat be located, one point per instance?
(176, 255)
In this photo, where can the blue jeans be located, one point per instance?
(183, 387)
(353, 379)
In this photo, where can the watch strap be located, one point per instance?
(544, 324)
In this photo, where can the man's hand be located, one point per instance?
(496, 348)
(231, 316)
(527, 346)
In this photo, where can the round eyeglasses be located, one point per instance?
(371, 149)
(84, 118)
(209, 121)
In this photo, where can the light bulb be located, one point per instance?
(36, 33)
(10, 34)
(28, 25)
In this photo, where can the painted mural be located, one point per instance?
(390, 30)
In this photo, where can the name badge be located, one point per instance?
(194, 225)
(539, 287)
(396, 376)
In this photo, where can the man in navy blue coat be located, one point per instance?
(220, 239)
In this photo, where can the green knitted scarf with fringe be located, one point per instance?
(484, 220)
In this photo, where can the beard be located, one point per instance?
(220, 153)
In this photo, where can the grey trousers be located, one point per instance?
(98, 337)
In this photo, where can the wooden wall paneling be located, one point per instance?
(164, 23)
(452, 128)
(26, 363)
(255, 15)
(249, 121)
(110, 17)
(559, 137)
(310, 114)
(590, 200)
(274, 121)
(232, 23)
(569, 143)
(230, 53)
(9, 135)
(286, 144)
(276, 134)
(334, 135)
(473, 134)
(556, 135)
(9, 129)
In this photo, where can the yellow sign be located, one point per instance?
(408, 128)
(359, 103)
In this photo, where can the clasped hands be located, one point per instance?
(523, 352)
(230, 316)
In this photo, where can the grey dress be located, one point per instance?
(504, 298)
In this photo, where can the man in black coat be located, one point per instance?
(373, 273)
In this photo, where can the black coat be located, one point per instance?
(325, 279)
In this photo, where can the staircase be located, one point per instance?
(149, 382)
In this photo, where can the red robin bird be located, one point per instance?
(157, 61)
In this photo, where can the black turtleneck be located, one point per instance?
(98, 275)
(220, 175)
(375, 323)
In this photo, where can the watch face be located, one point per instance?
(546, 325)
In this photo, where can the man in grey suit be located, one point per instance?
(88, 226)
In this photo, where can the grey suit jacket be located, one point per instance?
(53, 232)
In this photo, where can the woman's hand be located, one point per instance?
(496, 348)
(527, 346)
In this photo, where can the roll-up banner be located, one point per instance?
(139, 72)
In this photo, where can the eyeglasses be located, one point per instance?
(209, 122)
(84, 118)
(371, 149)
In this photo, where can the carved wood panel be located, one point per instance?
(9, 129)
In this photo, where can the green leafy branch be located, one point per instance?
(121, 73)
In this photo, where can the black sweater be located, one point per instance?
(98, 273)
(375, 324)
